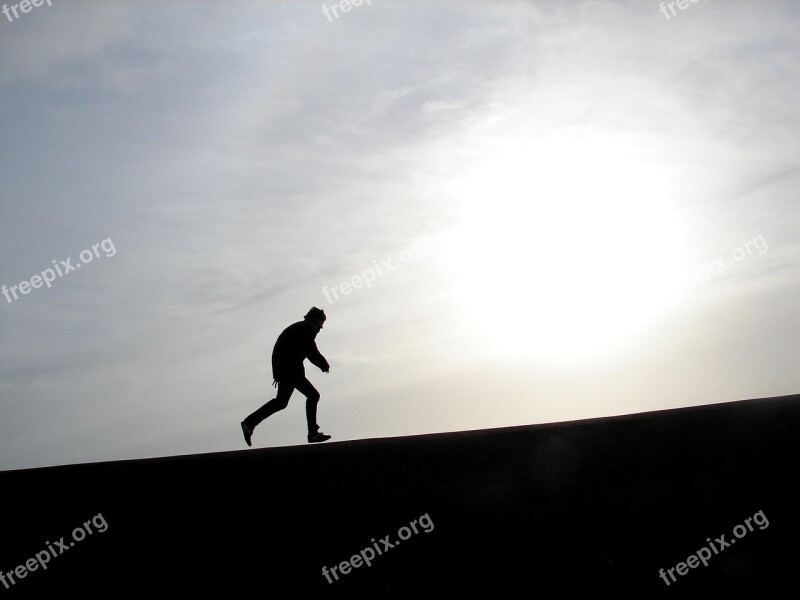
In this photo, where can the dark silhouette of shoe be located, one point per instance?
(248, 432)
(317, 437)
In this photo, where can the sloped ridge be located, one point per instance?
(602, 504)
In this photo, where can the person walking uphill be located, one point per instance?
(294, 345)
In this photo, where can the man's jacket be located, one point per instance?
(294, 345)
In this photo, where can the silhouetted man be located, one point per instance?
(294, 345)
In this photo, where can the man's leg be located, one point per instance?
(305, 387)
(279, 402)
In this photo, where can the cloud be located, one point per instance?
(39, 44)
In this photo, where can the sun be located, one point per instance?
(566, 246)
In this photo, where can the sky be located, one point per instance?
(511, 212)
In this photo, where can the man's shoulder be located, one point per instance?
(299, 328)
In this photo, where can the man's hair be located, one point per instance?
(316, 314)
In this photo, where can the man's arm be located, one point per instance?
(316, 357)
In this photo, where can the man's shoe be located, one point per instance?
(248, 432)
(314, 438)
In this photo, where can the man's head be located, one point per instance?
(316, 316)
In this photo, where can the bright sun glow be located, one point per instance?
(567, 247)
